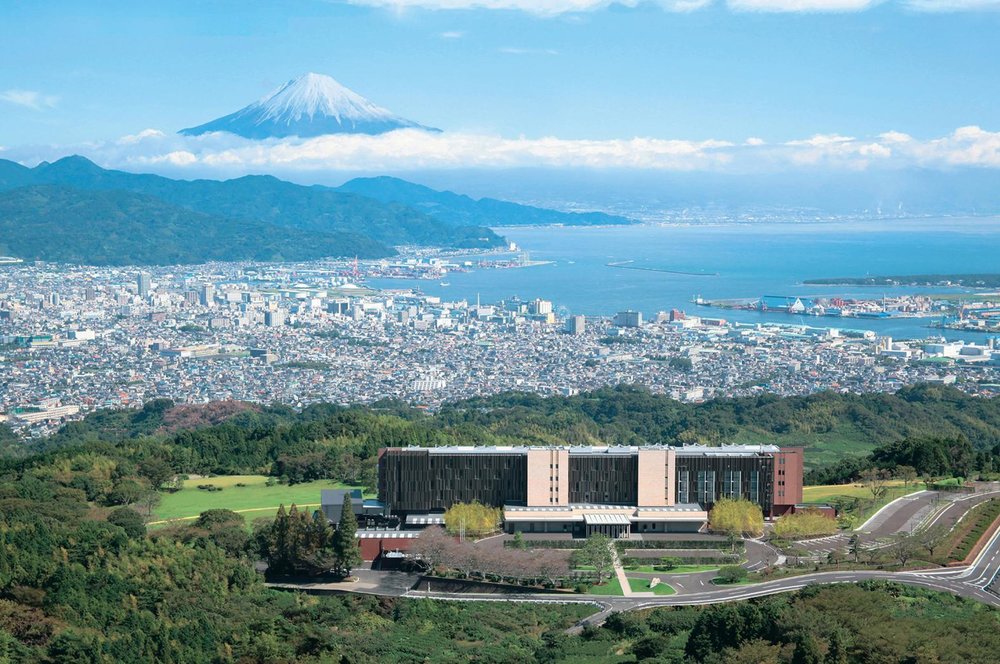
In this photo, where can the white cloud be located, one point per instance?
(225, 155)
(452, 34)
(952, 5)
(130, 139)
(802, 5)
(537, 7)
(513, 50)
(559, 7)
(821, 140)
(32, 99)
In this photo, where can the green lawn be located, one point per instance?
(254, 500)
(844, 440)
(612, 587)
(826, 493)
(642, 586)
(680, 569)
(745, 582)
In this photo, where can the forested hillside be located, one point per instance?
(82, 581)
(123, 228)
(113, 217)
(937, 430)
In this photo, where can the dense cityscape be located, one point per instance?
(76, 339)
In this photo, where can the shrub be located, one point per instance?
(737, 517)
(474, 518)
(130, 521)
(808, 523)
(731, 574)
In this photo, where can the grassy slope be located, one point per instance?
(825, 493)
(821, 448)
(611, 587)
(254, 500)
(642, 586)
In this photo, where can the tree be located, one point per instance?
(732, 574)
(854, 546)
(130, 521)
(346, 551)
(807, 523)
(433, 547)
(737, 517)
(596, 552)
(877, 481)
(907, 474)
(473, 519)
(904, 548)
(807, 650)
(157, 471)
(670, 562)
(932, 538)
(757, 651)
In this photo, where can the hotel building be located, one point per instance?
(616, 491)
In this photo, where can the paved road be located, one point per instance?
(970, 581)
(904, 515)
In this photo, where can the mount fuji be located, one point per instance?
(311, 105)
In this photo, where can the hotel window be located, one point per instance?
(706, 486)
(755, 486)
(683, 487)
(732, 484)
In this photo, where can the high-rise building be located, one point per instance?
(207, 295)
(576, 324)
(541, 307)
(628, 319)
(143, 284)
(274, 318)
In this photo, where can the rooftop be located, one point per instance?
(617, 450)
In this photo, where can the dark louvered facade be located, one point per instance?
(703, 479)
(416, 481)
(662, 483)
(604, 479)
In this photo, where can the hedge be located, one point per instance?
(666, 545)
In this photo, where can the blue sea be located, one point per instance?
(728, 261)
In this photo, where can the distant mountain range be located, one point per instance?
(311, 105)
(114, 217)
(461, 210)
(62, 224)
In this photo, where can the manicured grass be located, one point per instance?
(844, 440)
(612, 587)
(642, 586)
(970, 528)
(680, 569)
(254, 500)
(827, 492)
(744, 582)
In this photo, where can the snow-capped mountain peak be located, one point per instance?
(310, 105)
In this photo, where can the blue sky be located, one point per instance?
(76, 73)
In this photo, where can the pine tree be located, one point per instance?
(345, 545)
(279, 542)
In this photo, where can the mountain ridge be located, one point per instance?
(268, 199)
(114, 227)
(460, 209)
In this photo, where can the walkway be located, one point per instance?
(620, 571)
